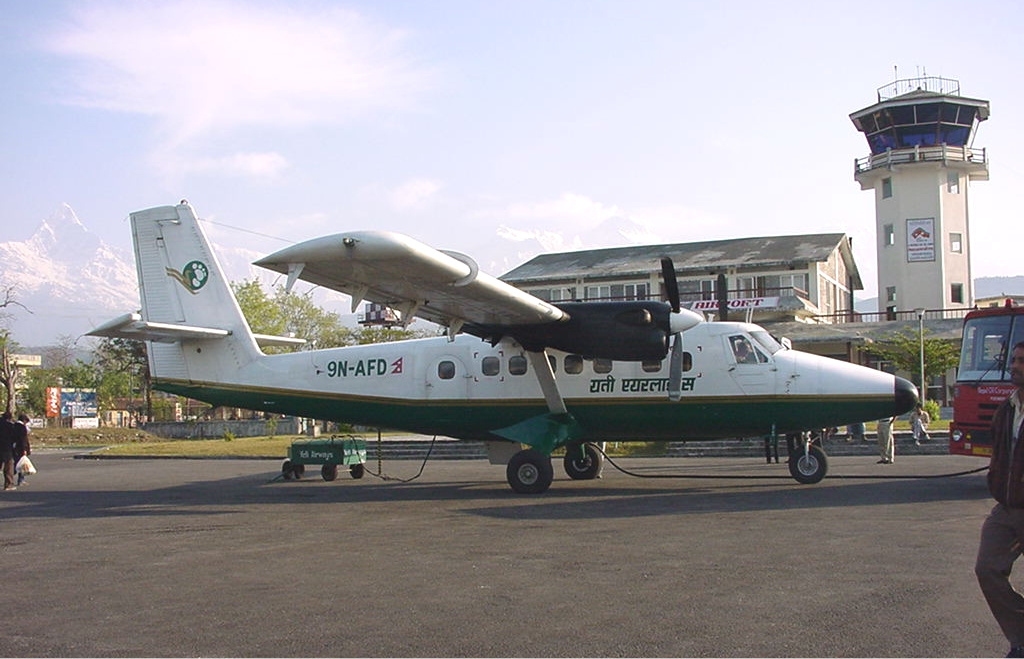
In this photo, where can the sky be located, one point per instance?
(459, 122)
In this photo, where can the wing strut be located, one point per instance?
(546, 377)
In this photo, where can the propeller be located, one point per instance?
(680, 320)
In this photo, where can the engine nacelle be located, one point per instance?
(622, 331)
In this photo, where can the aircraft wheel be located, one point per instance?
(810, 468)
(357, 470)
(530, 472)
(585, 467)
(329, 472)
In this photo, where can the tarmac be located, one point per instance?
(190, 558)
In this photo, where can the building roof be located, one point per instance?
(709, 257)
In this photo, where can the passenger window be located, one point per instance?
(602, 366)
(687, 362)
(517, 365)
(573, 364)
(490, 365)
(446, 370)
(651, 366)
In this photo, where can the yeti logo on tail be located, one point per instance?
(193, 276)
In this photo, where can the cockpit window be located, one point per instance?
(767, 341)
(744, 351)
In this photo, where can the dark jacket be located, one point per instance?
(1005, 471)
(21, 446)
(7, 438)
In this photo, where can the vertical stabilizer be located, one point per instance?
(181, 283)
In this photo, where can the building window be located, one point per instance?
(886, 187)
(890, 293)
(956, 293)
(956, 243)
(598, 292)
(889, 235)
(953, 182)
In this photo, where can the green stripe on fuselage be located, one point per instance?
(624, 418)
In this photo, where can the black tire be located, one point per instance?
(530, 472)
(329, 472)
(357, 470)
(810, 468)
(286, 469)
(298, 470)
(585, 468)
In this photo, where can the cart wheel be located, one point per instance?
(298, 470)
(286, 469)
(357, 470)
(329, 472)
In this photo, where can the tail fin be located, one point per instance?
(189, 313)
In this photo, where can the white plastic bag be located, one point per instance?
(25, 466)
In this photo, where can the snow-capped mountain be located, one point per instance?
(66, 280)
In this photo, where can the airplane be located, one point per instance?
(526, 376)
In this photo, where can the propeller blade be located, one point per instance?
(668, 276)
(675, 368)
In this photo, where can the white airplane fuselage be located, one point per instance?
(466, 388)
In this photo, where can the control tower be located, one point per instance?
(921, 135)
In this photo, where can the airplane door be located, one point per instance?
(448, 378)
(752, 369)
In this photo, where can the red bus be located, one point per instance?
(983, 379)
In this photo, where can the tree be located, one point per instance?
(903, 350)
(289, 314)
(124, 367)
(8, 371)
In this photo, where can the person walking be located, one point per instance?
(886, 445)
(7, 434)
(1003, 530)
(919, 420)
(21, 445)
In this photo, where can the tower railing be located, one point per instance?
(934, 84)
(942, 153)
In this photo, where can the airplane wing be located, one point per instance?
(417, 280)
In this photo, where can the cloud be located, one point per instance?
(250, 165)
(203, 67)
(414, 194)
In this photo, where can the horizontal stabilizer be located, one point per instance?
(131, 326)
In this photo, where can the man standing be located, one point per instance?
(21, 444)
(886, 446)
(1003, 530)
(7, 450)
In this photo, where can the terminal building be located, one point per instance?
(806, 278)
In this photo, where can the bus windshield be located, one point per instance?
(985, 341)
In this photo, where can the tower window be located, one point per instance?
(890, 293)
(886, 187)
(956, 293)
(953, 182)
(889, 231)
(956, 243)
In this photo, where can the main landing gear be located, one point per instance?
(530, 471)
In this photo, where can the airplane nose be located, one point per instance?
(905, 396)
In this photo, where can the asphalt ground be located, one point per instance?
(216, 558)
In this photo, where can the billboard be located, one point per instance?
(921, 239)
(78, 402)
